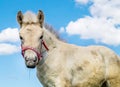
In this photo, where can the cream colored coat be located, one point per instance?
(67, 65)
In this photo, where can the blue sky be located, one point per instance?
(80, 22)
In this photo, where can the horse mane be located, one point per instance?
(30, 17)
(53, 31)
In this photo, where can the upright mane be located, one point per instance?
(52, 30)
(30, 17)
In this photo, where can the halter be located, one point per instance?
(39, 55)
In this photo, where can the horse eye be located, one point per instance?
(21, 38)
(41, 37)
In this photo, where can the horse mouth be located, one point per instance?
(30, 64)
(32, 67)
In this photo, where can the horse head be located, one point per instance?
(31, 34)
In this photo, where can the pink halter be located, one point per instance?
(39, 55)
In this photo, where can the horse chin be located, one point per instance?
(32, 67)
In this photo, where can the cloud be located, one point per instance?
(82, 1)
(6, 49)
(61, 30)
(9, 35)
(102, 26)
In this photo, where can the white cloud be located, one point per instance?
(9, 35)
(104, 24)
(82, 1)
(62, 30)
(106, 9)
(6, 49)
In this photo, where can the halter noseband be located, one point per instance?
(33, 49)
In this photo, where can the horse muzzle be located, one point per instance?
(31, 56)
(31, 62)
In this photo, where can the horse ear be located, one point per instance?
(40, 18)
(19, 17)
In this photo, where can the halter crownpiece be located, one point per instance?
(39, 55)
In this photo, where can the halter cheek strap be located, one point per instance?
(45, 45)
(33, 49)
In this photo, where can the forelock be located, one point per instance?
(30, 17)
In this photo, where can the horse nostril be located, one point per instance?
(26, 59)
(35, 59)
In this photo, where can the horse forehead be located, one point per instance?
(31, 27)
(31, 32)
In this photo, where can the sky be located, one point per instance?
(79, 22)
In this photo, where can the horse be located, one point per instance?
(60, 64)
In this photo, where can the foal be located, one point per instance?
(61, 64)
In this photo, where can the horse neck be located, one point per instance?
(51, 42)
